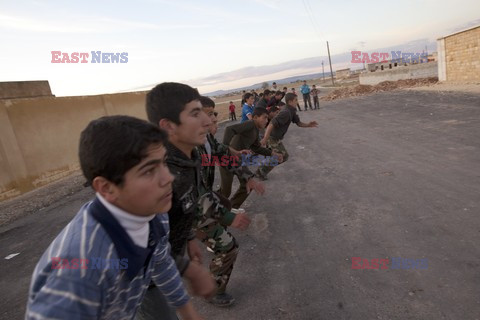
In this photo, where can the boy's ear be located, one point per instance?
(106, 188)
(168, 126)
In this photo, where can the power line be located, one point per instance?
(312, 21)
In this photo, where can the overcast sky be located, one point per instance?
(185, 40)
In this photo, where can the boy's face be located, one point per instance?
(293, 103)
(267, 97)
(214, 126)
(147, 187)
(194, 125)
(261, 121)
(250, 101)
(210, 112)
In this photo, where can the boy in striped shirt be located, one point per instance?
(100, 265)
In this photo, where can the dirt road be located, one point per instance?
(393, 175)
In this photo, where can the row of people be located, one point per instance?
(123, 255)
(270, 98)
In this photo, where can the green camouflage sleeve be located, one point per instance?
(211, 209)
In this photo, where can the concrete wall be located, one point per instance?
(415, 71)
(39, 136)
(462, 56)
(442, 66)
(24, 89)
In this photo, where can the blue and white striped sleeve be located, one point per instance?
(167, 278)
(65, 298)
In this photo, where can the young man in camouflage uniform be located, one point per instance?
(176, 108)
(277, 129)
(212, 226)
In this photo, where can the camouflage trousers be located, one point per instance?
(221, 242)
(278, 147)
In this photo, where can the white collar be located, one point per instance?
(137, 227)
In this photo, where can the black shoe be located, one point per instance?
(222, 300)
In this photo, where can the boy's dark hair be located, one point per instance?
(261, 95)
(274, 108)
(167, 100)
(207, 102)
(110, 146)
(279, 93)
(274, 82)
(281, 104)
(285, 88)
(259, 111)
(266, 92)
(247, 96)
(289, 97)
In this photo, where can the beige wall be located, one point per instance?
(39, 136)
(412, 71)
(462, 56)
(24, 89)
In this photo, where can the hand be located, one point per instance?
(194, 251)
(201, 280)
(313, 124)
(279, 156)
(254, 184)
(241, 221)
(245, 151)
(263, 142)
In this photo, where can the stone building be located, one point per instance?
(459, 56)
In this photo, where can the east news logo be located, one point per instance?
(397, 263)
(96, 57)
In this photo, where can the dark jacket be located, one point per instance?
(282, 121)
(186, 192)
(261, 104)
(244, 136)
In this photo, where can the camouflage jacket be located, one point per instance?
(219, 150)
(192, 203)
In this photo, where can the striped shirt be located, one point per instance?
(111, 285)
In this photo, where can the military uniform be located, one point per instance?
(215, 215)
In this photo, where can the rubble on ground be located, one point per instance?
(361, 89)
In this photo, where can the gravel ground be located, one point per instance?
(36, 200)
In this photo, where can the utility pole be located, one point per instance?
(330, 60)
(323, 72)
